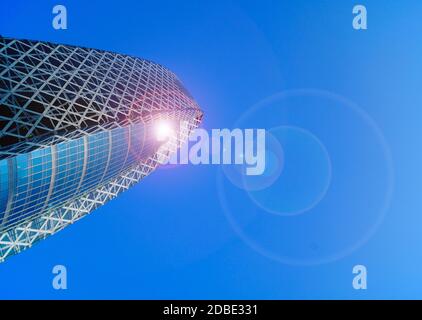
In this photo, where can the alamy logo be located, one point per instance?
(222, 146)
(360, 280)
(60, 278)
(360, 21)
(60, 18)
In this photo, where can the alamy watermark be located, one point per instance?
(360, 20)
(60, 19)
(360, 280)
(222, 146)
(60, 279)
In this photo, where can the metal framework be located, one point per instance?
(51, 94)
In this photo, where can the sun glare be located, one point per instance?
(163, 130)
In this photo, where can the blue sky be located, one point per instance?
(344, 104)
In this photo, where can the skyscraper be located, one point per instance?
(77, 127)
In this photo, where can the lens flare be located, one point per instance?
(163, 131)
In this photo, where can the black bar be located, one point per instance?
(229, 309)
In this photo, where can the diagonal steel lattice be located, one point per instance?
(52, 93)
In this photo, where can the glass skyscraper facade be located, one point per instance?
(77, 127)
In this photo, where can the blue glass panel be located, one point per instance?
(98, 151)
(4, 188)
(69, 167)
(120, 141)
(33, 174)
(22, 169)
(33, 190)
(137, 136)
